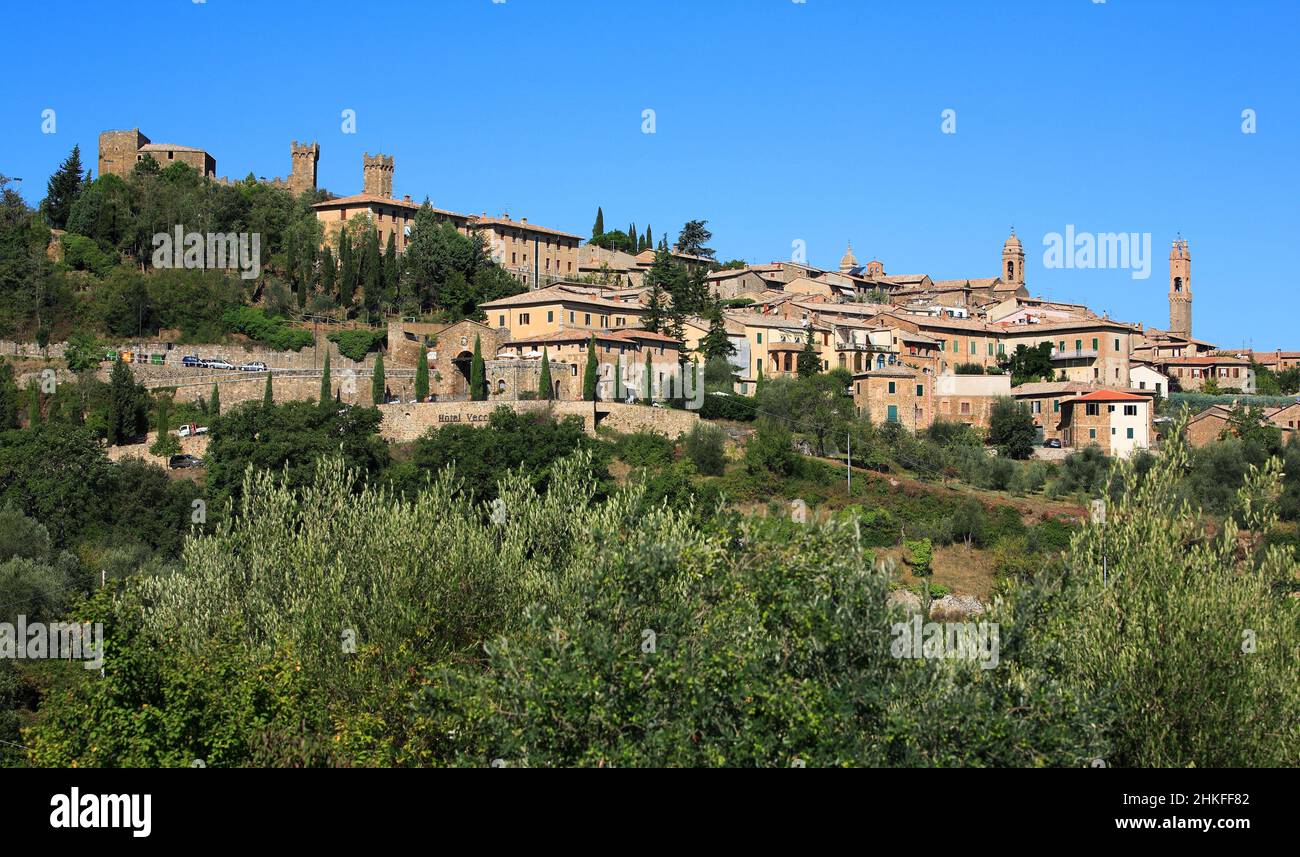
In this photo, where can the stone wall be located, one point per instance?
(407, 422)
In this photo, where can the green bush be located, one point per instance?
(729, 407)
(270, 330)
(356, 344)
(645, 449)
(85, 254)
(705, 446)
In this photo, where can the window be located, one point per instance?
(891, 388)
(760, 337)
(586, 319)
(1096, 344)
(501, 321)
(893, 413)
(920, 391)
(1078, 345)
(570, 316)
(1117, 346)
(1130, 434)
(550, 316)
(990, 349)
(523, 318)
(956, 346)
(972, 347)
(965, 407)
(1092, 434)
(1092, 409)
(1037, 407)
(1056, 406)
(1130, 411)
(1062, 348)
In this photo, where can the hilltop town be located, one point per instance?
(918, 350)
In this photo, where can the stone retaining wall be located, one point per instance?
(407, 422)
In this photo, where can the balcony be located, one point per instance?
(1074, 354)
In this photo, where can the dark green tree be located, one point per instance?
(1012, 429)
(378, 392)
(810, 362)
(477, 373)
(693, 238)
(589, 374)
(62, 190)
(545, 388)
(268, 395)
(716, 343)
(127, 406)
(214, 402)
(599, 228)
(422, 374)
(326, 392)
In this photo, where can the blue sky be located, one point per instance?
(776, 121)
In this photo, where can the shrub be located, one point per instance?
(356, 344)
(705, 446)
(644, 449)
(270, 330)
(729, 407)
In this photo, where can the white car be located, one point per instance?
(219, 364)
(190, 430)
(259, 366)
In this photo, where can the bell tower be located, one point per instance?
(1180, 289)
(1013, 261)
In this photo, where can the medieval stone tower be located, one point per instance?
(303, 176)
(1013, 261)
(378, 176)
(1180, 289)
(117, 151)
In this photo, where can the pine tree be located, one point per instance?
(62, 190)
(809, 363)
(716, 343)
(377, 389)
(655, 313)
(545, 390)
(590, 374)
(477, 373)
(599, 228)
(214, 403)
(325, 394)
(268, 397)
(422, 375)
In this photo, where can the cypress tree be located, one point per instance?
(325, 394)
(268, 398)
(327, 273)
(8, 397)
(649, 239)
(599, 228)
(33, 404)
(377, 381)
(545, 390)
(422, 376)
(477, 373)
(809, 363)
(590, 373)
(649, 378)
(214, 403)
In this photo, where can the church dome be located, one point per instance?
(1013, 242)
(848, 262)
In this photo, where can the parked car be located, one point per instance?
(257, 366)
(191, 360)
(184, 460)
(1052, 443)
(192, 430)
(220, 364)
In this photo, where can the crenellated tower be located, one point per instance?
(303, 175)
(378, 176)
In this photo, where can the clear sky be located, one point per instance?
(777, 121)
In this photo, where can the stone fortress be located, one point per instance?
(120, 151)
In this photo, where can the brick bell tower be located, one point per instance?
(1180, 289)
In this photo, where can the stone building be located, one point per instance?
(561, 306)
(969, 398)
(1117, 421)
(377, 175)
(1194, 373)
(895, 394)
(120, 151)
(537, 256)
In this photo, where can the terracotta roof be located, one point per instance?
(1204, 361)
(507, 223)
(1111, 396)
(975, 283)
(374, 199)
(577, 334)
(168, 147)
(557, 294)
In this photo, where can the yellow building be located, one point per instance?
(560, 307)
